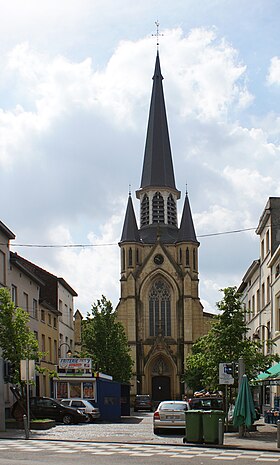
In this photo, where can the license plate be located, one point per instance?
(170, 417)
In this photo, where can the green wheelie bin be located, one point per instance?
(210, 426)
(194, 432)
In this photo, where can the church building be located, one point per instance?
(159, 304)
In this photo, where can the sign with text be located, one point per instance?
(75, 363)
(225, 373)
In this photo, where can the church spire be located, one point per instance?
(130, 231)
(187, 231)
(158, 166)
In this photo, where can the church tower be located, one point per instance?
(159, 304)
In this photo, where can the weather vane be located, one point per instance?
(157, 35)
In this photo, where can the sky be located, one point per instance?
(75, 89)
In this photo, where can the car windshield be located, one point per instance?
(172, 406)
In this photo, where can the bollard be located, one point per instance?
(221, 431)
(278, 434)
(26, 429)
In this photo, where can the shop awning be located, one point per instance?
(271, 373)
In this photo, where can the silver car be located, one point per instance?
(170, 414)
(83, 405)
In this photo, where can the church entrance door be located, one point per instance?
(161, 388)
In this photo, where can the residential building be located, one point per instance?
(260, 290)
(159, 305)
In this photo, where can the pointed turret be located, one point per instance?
(158, 166)
(187, 231)
(130, 231)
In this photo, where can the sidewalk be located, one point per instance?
(264, 439)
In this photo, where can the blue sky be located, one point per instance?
(75, 88)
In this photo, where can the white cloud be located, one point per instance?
(273, 76)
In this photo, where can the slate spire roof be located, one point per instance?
(130, 231)
(187, 231)
(158, 166)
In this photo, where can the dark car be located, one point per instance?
(206, 403)
(46, 407)
(143, 402)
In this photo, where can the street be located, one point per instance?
(40, 452)
(132, 440)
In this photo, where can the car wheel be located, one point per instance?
(67, 419)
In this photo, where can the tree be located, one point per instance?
(17, 341)
(225, 342)
(105, 341)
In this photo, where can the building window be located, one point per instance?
(145, 211)
(55, 323)
(267, 241)
(194, 259)
(2, 268)
(14, 294)
(262, 249)
(258, 300)
(137, 257)
(35, 309)
(263, 295)
(130, 257)
(60, 305)
(160, 309)
(123, 259)
(253, 305)
(171, 211)
(267, 290)
(278, 312)
(49, 319)
(43, 316)
(44, 345)
(55, 350)
(187, 257)
(180, 256)
(158, 208)
(277, 270)
(25, 301)
(50, 349)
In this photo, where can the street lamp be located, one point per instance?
(69, 351)
(256, 333)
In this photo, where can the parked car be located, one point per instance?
(46, 407)
(206, 403)
(143, 402)
(170, 414)
(84, 406)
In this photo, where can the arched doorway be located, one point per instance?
(161, 380)
(161, 388)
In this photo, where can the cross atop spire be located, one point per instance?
(157, 35)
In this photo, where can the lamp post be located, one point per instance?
(256, 333)
(69, 351)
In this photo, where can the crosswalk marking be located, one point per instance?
(137, 450)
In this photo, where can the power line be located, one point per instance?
(73, 246)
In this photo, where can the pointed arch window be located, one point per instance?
(194, 259)
(180, 256)
(137, 257)
(145, 211)
(130, 257)
(187, 257)
(123, 259)
(171, 211)
(158, 208)
(160, 309)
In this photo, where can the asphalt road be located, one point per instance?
(41, 452)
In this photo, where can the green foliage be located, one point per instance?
(17, 341)
(225, 342)
(105, 341)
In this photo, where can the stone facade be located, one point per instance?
(159, 304)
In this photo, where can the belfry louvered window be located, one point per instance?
(160, 309)
(130, 257)
(187, 257)
(145, 211)
(158, 208)
(171, 211)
